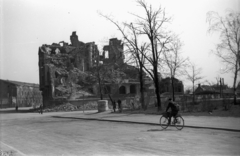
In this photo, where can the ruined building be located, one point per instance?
(113, 52)
(66, 70)
(87, 54)
(62, 64)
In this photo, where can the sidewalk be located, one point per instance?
(220, 123)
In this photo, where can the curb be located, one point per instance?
(147, 123)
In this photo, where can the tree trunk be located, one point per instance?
(193, 94)
(235, 96)
(173, 91)
(110, 98)
(234, 87)
(156, 81)
(108, 92)
(141, 87)
(100, 86)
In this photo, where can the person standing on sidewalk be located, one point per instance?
(119, 105)
(41, 109)
(16, 108)
(114, 105)
(132, 104)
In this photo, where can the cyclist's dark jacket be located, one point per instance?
(172, 106)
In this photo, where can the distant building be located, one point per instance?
(130, 85)
(166, 85)
(215, 91)
(205, 89)
(22, 94)
(166, 89)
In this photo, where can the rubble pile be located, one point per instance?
(89, 106)
(64, 107)
(67, 107)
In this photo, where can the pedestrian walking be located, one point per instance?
(132, 103)
(114, 105)
(119, 105)
(41, 109)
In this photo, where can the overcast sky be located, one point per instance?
(27, 24)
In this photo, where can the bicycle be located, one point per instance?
(178, 121)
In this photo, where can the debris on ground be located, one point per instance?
(7, 153)
(67, 107)
(63, 107)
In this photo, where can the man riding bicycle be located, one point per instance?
(174, 110)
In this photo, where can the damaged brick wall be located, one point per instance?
(61, 66)
(114, 51)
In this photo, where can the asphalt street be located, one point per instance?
(35, 134)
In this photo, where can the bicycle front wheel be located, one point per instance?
(179, 123)
(163, 122)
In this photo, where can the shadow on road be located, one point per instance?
(2, 111)
(100, 119)
(157, 130)
(93, 113)
(109, 116)
(154, 130)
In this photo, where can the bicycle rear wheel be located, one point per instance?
(163, 122)
(179, 122)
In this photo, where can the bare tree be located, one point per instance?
(228, 50)
(106, 74)
(152, 25)
(113, 77)
(193, 75)
(173, 60)
(136, 50)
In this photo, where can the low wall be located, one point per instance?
(80, 102)
(91, 103)
(186, 102)
(206, 104)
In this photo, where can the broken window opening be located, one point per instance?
(122, 90)
(57, 51)
(133, 89)
(106, 54)
(72, 60)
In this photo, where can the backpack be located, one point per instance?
(177, 106)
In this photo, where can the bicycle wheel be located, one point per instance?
(179, 122)
(163, 122)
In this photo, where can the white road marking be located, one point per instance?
(13, 149)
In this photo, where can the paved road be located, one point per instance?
(34, 134)
(207, 122)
